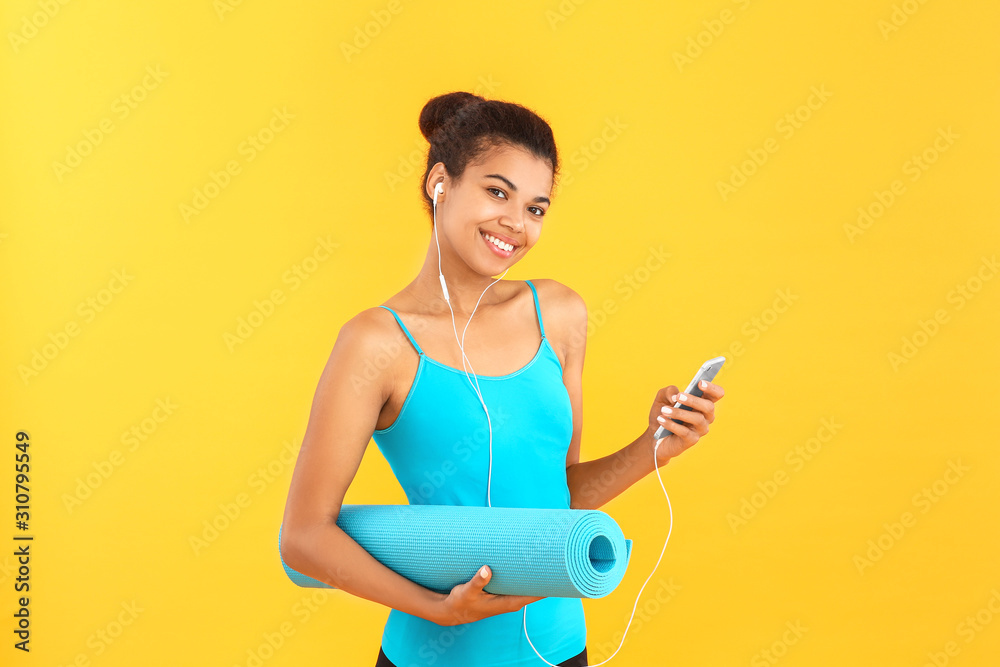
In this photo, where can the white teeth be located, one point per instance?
(498, 243)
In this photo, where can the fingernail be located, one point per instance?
(483, 572)
(704, 385)
(681, 397)
(661, 419)
(665, 410)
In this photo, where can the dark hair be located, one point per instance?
(462, 127)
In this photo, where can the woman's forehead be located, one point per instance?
(516, 164)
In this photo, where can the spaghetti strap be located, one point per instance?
(538, 310)
(403, 327)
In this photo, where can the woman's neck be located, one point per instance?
(465, 287)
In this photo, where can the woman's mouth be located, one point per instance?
(497, 246)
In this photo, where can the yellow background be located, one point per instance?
(345, 168)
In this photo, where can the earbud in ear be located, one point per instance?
(438, 190)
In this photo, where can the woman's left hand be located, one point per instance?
(695, 421)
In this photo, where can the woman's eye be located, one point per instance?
(536, 210)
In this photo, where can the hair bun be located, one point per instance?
(439, 109)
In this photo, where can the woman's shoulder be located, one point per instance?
(559, 296)
(564, 310)
(369, 330)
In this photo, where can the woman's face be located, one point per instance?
(501, 199)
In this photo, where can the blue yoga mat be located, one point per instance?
(532, 551)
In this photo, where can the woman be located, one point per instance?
(492, 166)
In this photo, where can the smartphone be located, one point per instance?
(706, 372)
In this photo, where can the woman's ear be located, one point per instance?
(437, 175)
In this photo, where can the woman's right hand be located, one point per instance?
(468, 602)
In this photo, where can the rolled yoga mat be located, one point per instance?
(531, 551)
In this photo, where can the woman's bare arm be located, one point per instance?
(343, 416)
(594, 483)
(341, 421)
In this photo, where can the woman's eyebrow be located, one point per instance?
(514, 187)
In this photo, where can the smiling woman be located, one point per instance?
(505, 436)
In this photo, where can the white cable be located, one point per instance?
(669, 530)
(465, 358)
(489, 478)
(461, 345)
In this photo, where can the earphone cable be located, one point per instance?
(670, 509)
(474, 381)
(465, 358)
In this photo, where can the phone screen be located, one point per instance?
(707, 372)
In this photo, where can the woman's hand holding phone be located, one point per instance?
(682, 418)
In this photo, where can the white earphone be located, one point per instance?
(474, 380)
(439, 189)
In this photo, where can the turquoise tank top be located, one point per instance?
(438, 449)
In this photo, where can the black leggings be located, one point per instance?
(579, 660)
